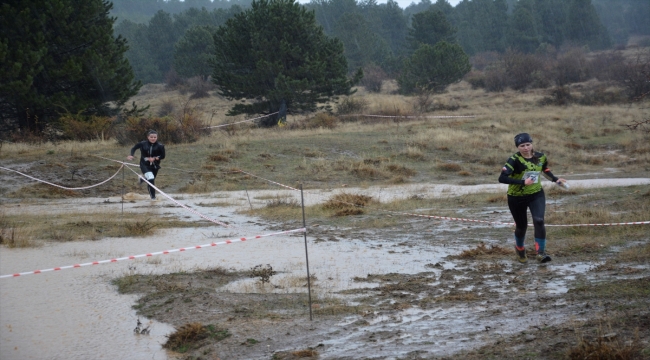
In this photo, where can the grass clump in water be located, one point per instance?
(190, 336)
(347, 204)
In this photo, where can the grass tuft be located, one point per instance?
(185, 336)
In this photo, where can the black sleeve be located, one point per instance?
(137, 146)
(506, 179)
(162, 151)
(508, 169)
(548, 172)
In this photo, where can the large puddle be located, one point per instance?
(77, 313)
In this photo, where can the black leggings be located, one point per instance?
(152, 191)
(537, 205)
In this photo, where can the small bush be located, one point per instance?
(373, 78)
(520, 69)
(321, 120)
(199, 87)
(496, 79)
(166, 108)
(571, 67)
(184, 128)
(174, 81)
(262, 272)
(604, 66)
(476, 79)
(560, 95)
(352, 105)
(85, 128)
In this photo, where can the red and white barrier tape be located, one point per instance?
(63, 187)
(149, 254)
(271, 181)
(413, 116)
(239, 122)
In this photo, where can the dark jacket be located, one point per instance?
(148, 150)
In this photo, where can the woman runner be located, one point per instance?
(151, 152)
(522, 174)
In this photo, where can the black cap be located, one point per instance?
(523, 138)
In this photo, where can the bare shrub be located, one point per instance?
(571, 67)
(559, 95)
(174, 81)
(373, 78)
(186, 127)
(604, 66)
(634, 76)
(199, 87)
(85, 128)
(352, 105)
(496, 78)
(423, 101)
(166, 108)
(520, 69)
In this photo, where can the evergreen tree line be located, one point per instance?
(385, 35)
(140, 11)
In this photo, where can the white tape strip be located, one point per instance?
(273, 182)
(149, 254)
(63, 187)
(413, 116)
(239, 122)
(179, 204)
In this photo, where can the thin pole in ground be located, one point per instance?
(249, 198)
(122, 190)
(304, 224)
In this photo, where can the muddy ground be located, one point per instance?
(474, 302)
(433, 289)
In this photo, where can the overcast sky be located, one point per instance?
(402, 3)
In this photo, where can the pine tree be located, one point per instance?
(522, 34)
(433, 68)
(192, 53)
(584, 26)
(430, 27)
(60, 56)
(275, 53)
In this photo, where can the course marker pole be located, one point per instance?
(304, 225)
